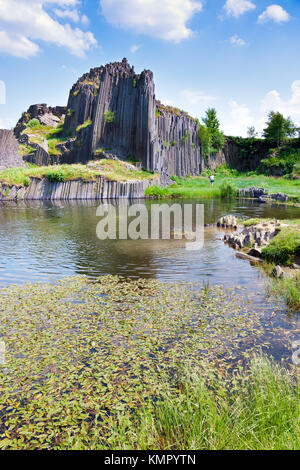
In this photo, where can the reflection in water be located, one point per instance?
(40, 240)
(45, 241)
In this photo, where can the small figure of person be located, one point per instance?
(211, 179)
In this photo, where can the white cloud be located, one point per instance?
(23, 23)
(237, 8)
(272, 101)
(164, 19)
(237, 41)
(240, 119)
(71, 14)
(274, 13)
(135, 48)
(84, 20)
(194, 97)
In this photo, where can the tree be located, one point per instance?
(205, 140)
(252, 132)
(278, 128)
(216, 137)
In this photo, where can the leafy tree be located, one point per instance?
(213, 139)
(252, 132)
(278, 128)
(205, 139)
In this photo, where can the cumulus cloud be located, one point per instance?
(135, 48)
(24, 23)
(192, 97)
(165, 19)
(237, 41)
(240, 119)
(71, 14)
(237, 8)
(272, 101)
(274, 13)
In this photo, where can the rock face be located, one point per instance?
(255, 237)
(119, 114)
(9, 148)
(46, 115)
(253, 192)
(101, 188)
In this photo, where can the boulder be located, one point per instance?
(278, 272)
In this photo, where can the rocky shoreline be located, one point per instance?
(249, 241)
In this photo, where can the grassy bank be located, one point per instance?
(199, 187)
(283, 250)
(120, 364)
(110, 169)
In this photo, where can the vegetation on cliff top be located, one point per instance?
(139, 364)
(109, 169)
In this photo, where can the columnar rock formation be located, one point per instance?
(9, 147)
(119, 114)
(101, 188)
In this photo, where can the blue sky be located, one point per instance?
(240, 56)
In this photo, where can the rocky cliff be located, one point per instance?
(9, 147)
(113, 110)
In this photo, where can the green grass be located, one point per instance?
(139, 364)
(109, 169)
(86, 123)
(284, 248)
(199, 187)
(38, 133)
(288, 289)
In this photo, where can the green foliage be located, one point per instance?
(134, 83)
(173, 143)
(287, 288)
(228, 190)
(211, 138)
(205, 139)
(33, 123)
(283, 248)
(25, 150)
(156, 192)
(109, 116)
(252, 132)
(186, 137)
(56, 176)
(86, 123)
(278, 128)
(157, 112)
(70, 112)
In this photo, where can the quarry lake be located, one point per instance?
(42, 241)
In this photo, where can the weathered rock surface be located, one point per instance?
(101, 188)
(163, 139)
(9, 147)
(252, 192)
(254, 237)
(41, 112)
(227, 221)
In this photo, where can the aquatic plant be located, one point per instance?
(87, 364)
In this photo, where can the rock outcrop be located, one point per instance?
(113, 110)
(100, 189)
(9, 147)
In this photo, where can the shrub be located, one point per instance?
(56, 176)
(33, 123)
(155, 191)
(109, 116)
(228, 190)
(283, 248)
